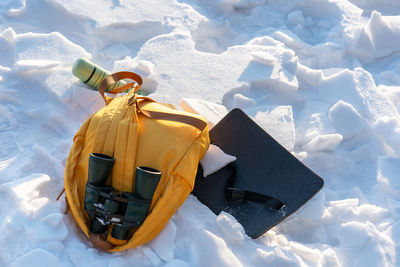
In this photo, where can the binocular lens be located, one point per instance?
(146, 181)
(92, 196)
(100, 167)
(135, 213)
(97, 226)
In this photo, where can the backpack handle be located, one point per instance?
(115, 77)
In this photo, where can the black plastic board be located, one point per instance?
(262, 166)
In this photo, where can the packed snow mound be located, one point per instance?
(320, 76)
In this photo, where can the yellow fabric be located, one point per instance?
(134, 140)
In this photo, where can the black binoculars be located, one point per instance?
(105, 206)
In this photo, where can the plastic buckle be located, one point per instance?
(235, 194)
(103, 215)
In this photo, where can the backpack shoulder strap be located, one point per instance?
(157, 115)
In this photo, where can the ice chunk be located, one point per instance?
(212, 37)
(388, 176)
(216, 250)
(354, 234)
(214, 160)
(265, 40)
(37, 258)
(164, 244)
(311, 255)
(53, 46)
(278, 122)
(362, 244)
(328, 142)
(329, 258)
(35, 65)
(388, 128)
(373, 213)
(346, 120)
(190, 68)
(376, 103)
(275, 70)
(393, 93)
(9, 35)
(211, 111)
(60, 83)
(379, 38)
(307, 77)
(144, 68)
(51, 228)
(232, 230)
(313, 123)
(260, 69)
(343, 210)
(28, 188)
(338, 86)
(242, 102)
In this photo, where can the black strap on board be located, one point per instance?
(234, 194)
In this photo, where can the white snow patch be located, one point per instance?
(279, 123)
(388, 176)
(53, 46)
(164, 244)
(214, 160)
(321, 77)
(28, 188)
(37, 257)
(328, 142)
(378, 38)
(347, 120)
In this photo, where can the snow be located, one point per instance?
(320, 76)
(214, 160)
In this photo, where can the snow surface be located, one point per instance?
(321, 76)
(214, 160)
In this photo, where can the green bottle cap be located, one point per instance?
(83, 69)
(92, 74)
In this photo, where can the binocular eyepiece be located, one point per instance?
(105, 206)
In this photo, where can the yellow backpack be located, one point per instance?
(136, 131)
